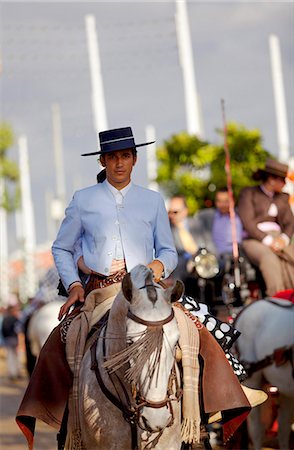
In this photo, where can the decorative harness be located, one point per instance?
(129, 409)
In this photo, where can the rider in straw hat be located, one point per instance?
(268, 220)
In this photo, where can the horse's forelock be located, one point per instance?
(152, 294)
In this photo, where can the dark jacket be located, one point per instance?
(253, 209)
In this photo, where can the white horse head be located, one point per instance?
(150, 310)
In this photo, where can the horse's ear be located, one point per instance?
(176, 291)
(127, 287)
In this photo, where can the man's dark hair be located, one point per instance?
(101, 176)
(182, 197)
(222, 189)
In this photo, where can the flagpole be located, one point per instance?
(231, 201)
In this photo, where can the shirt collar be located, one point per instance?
(115, 191)
(266, 192)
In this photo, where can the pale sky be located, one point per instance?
(45, 60)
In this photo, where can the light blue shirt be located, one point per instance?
(222, 232)
(93, 217)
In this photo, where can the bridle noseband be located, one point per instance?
(148, 323)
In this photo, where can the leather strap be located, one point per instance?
(128, 414)
(148, 323)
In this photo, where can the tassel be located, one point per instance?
(139, 352)
(190, 431)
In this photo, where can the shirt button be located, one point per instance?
(106, 269)
(109, 253)
(116, 222)
(114, 238)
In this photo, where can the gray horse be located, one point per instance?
(112, 415)
(267, 328)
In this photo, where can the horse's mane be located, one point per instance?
(119, 354)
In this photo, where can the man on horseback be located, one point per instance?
(118, 223)
(108, 229)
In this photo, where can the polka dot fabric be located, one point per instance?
(236, 366)
(222, 332)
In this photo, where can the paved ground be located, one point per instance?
(11, 438)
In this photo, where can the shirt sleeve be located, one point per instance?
(165, 250)
(63, 248)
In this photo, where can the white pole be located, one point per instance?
(280, 102)
(151, 158)
(98, 103)
(4, 283)
(192, 103)
(27, 219)
(58, 202)
(4, 280)
(58, 152)
(21, 279)
(51, 229)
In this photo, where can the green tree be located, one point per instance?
(195, 168)
(9, 171)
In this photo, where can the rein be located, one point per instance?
(129, 414)
(129, 410)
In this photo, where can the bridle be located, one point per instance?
(130, 410)
(159, 323)
(142, 401)
(148, 323)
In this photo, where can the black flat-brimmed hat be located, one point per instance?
(272, 167)
(116, 139)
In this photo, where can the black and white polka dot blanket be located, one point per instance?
(223, 332)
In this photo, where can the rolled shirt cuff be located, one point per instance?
(267, 240)
(74, 284)
(285, 238)
(163, 271)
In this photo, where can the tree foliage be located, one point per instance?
(9, 171)
(195, 168)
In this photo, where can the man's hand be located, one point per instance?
(157, 269)
(76, 294)
(278, 244)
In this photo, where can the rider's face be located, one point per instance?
(222, 202)
(177, 211)
(277, 183)
(119, 166)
